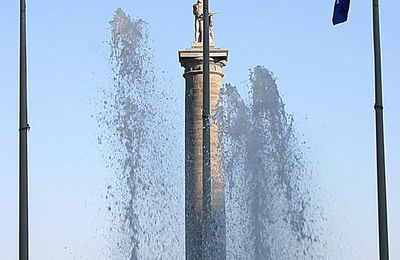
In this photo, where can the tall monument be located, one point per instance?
(192, 61)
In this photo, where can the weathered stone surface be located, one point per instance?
(192, 61)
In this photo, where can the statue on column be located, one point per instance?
(198, 23)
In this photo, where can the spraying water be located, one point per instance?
(269, 212)
(137, 139)
(268, 203)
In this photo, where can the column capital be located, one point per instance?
(192, 60)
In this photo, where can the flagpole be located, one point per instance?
(380, 151)
(23, 141)
(206, 134)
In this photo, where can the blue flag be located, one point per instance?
(341, 11)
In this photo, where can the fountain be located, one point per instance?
(262, 202)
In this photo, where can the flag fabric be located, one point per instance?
(341, 11)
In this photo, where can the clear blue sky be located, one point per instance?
(325, 75)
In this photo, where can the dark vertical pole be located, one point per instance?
(206, 134)
(23, 141)
(380, 150)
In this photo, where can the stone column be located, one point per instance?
(192, 61)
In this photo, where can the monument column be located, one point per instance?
(192, 61)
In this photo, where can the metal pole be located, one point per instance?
(23, 141)
(206, 134)
(380, 151)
